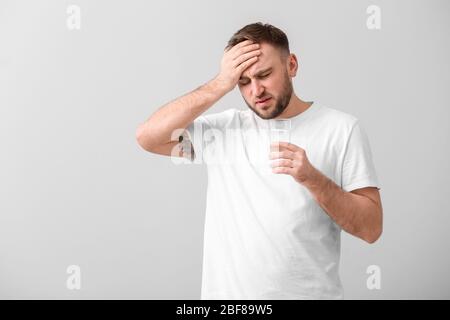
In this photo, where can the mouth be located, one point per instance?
(260, 102)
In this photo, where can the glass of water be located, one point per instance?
(280, 130)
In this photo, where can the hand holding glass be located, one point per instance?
(280, 130)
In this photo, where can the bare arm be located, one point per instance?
(155, 134)
(359, 212)
(178, 114)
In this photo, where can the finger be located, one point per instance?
(244, 65)
(244, 50)
(282, 163)
(246, 56)
(281, 154)
(243, 43)
(240, 45)
(284, 170)
(282, 145)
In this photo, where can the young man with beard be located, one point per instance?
(271, 234)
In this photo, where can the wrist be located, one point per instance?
(220, 85)
(321, 187)
(317, 183)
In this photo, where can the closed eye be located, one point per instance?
(261, 77)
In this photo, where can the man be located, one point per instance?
(271, 235)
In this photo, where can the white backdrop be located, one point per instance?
(76, 189)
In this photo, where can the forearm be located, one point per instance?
(356, 214)
(178, 114)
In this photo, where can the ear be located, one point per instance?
(292, 65)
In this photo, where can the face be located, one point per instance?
(266, 85)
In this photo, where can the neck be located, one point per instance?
(295, 107)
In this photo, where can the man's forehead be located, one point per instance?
(267, 60)
(254, 71)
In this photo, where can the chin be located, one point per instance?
(265, 115)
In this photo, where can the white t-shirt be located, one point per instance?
(265, 236)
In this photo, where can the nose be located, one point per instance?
(257, 89)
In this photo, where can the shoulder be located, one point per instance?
(338, 116)
(336, 119)
(225, 114)
(220, 119)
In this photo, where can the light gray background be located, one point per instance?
(75, 187)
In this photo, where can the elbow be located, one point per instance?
(141, 138)
(372, 238)
(374, 234)
(376, 229)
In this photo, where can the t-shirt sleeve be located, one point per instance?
(193, 142)
(204, 132)
(358, 169)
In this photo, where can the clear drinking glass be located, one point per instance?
(280, 130)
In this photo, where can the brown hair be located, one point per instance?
(259, 32)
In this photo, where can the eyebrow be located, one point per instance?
(258, 73)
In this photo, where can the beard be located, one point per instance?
(281, 102)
